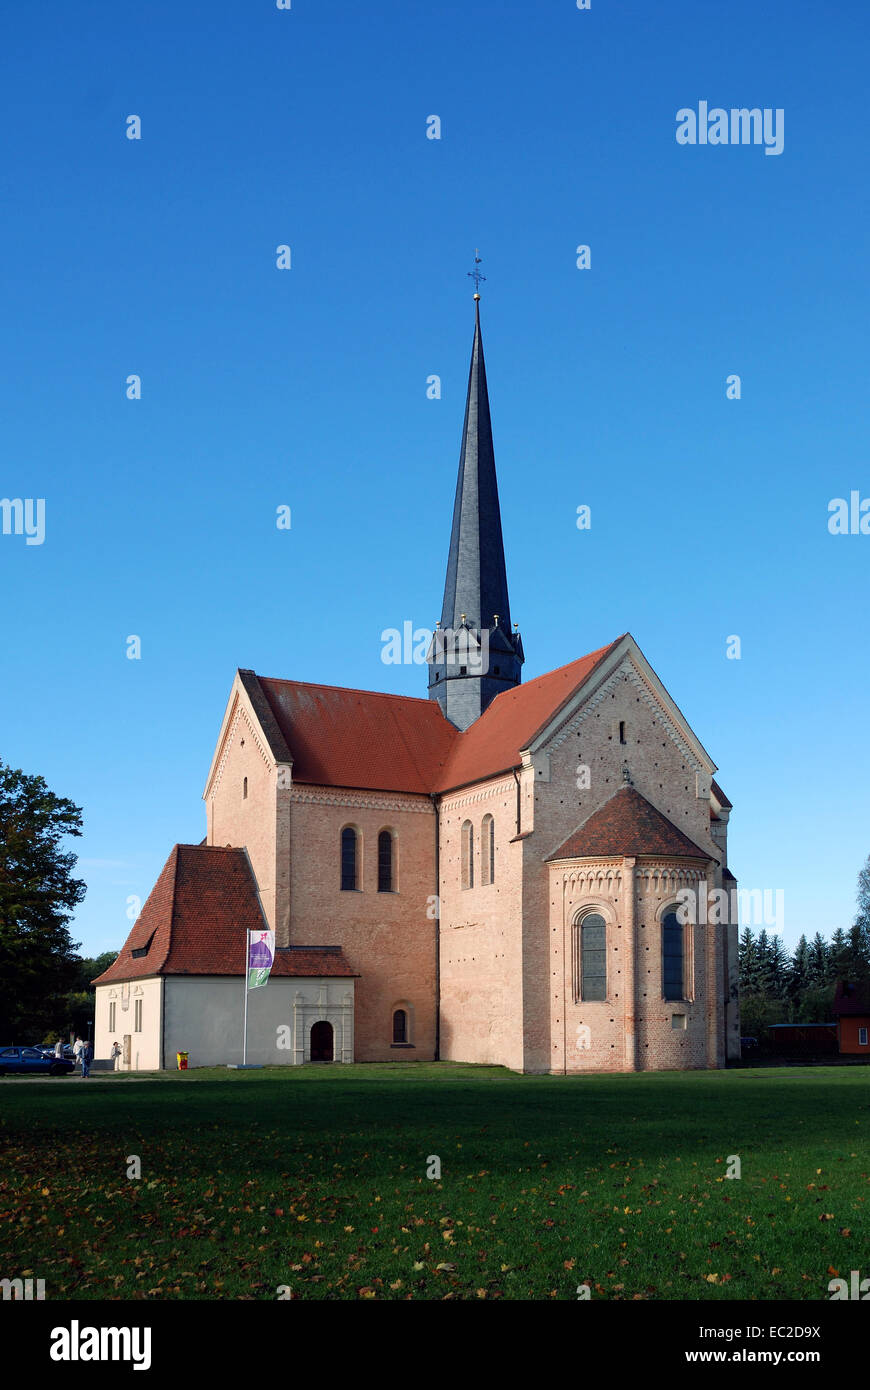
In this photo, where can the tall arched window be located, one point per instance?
(487, 850)
(467, 837)
(673, 957)
(593, 957)
(400, 1026)
(386, 868)
(349, 859)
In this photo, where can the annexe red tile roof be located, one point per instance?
(630, 825)
(360, 738)
(493, 743)
(194, 921)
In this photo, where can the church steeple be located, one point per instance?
(474, 653)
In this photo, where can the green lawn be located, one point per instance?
(315, 1178)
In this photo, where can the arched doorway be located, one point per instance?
(321, 1042)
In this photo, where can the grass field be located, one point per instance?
(315, 1178)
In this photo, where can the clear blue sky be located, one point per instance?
(308, 387)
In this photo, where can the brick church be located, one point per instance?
(491, 874)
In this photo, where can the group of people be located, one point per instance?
(83, 1053)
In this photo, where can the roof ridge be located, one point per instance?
(598, 651)
(425, 700)
(183, 844)
(350, 690)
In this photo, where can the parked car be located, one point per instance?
(32, 1061)
(48, 1049)
(748, 1044)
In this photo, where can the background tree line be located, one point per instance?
(776, 987)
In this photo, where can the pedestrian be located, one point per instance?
(58, 1048)
(87, 1054)
(116, 1055)
(77, 1049)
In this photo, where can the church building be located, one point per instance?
(508, 872)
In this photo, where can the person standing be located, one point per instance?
(116, 1055)
(77, 1050)
(87, 1054)
(58, 1048)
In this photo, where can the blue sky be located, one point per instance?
(307, 387)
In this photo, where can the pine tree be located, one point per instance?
(818, 960)
(838, 957)
(799, 970)
(858, 952)
(778, 965)
(747, 962)
(762, 948)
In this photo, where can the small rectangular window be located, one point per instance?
(678, 1021)
(862, 1037)
(137, 1016)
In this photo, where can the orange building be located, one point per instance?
(852, 1011)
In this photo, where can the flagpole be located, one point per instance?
(245, 1027)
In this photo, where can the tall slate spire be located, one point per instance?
(475, 654)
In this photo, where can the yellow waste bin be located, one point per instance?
(182, 1061)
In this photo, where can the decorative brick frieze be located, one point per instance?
(376, 801)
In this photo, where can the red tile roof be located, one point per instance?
(492, 744)
(628, 824)
(720, 795)
(194, 921)
(852, 1000)
(360, 738)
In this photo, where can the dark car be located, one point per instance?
(32, 1061)
(48, 1050)
(748, 1044)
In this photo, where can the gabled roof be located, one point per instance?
(195, 919)
(365, 739)
(852, 1000)
(630, 825)
(358, 738)
(493, 743)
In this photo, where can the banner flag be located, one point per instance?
(261, 954)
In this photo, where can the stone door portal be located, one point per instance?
(321, 1042)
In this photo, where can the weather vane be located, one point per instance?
(475, 274)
